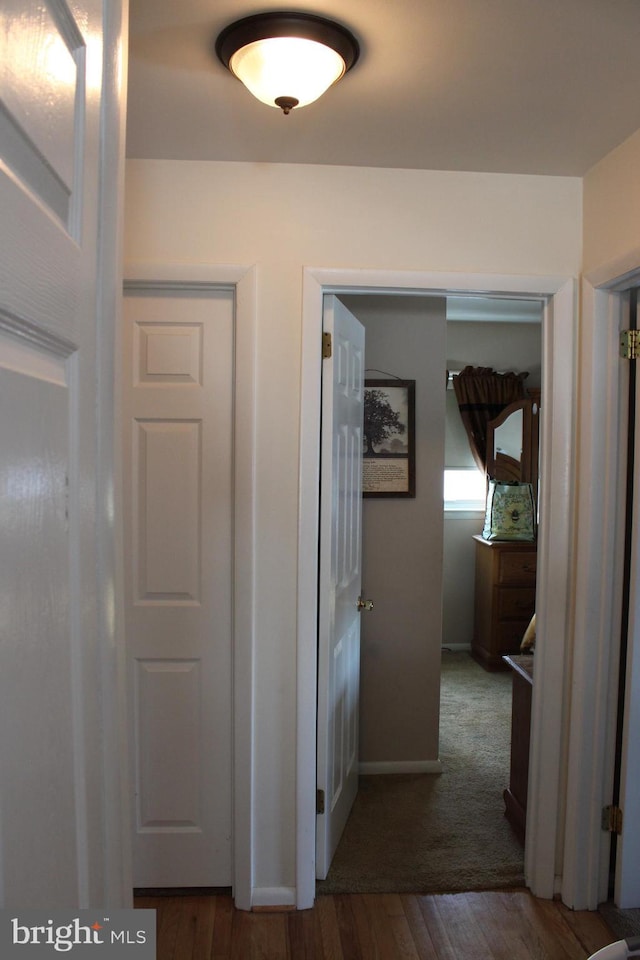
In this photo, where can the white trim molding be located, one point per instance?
(559, 294)
(599, 556)
(274, 898)
(553, 595)
(243, 280)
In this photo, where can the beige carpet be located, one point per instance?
(437, 833)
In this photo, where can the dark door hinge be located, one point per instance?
(612, 819)
(319, 801)
(326, 346)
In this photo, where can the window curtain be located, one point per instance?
(481, 394)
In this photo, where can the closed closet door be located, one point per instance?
(179, 508)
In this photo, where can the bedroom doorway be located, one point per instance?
(558, 334)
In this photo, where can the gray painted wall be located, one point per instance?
(402, 544)
(418, 561)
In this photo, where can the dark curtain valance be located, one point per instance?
(481, 394)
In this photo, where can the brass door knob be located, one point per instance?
(364, 604)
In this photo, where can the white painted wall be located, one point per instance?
(281, 218)
(612, 206)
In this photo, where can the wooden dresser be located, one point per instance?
(505, 596)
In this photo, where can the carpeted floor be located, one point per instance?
(437, 833)
(623, 923)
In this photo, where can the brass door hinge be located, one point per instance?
(612, 819)
(326, 346)
(630, 344)
(319, 801)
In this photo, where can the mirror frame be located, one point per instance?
(502, 467)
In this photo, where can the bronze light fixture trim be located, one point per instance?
(287, 59)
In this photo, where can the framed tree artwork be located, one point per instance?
(388, 456)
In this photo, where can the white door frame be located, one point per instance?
(555, 542)
(598, 581)
(118, 890)
(182, 276)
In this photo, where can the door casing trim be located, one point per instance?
(243, 280)
(559, 335)
(601, 457)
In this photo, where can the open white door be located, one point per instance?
(59, 750)
(340, 577)
(627, 878)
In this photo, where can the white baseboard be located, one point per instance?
(456, 647)
(283, 898)
(400, 766)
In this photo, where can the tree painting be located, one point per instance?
(381, 421)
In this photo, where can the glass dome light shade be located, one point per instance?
(287, 59)
(292, 67)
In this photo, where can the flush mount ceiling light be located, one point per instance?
(287, 60)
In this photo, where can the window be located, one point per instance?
(464, 489)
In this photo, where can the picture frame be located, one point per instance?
(388, 449)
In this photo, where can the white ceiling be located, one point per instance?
(505, 86)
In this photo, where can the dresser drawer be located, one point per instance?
(517, 567)
(505, 597)
(515, 603)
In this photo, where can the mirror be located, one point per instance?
(512, 443)
(507, 437)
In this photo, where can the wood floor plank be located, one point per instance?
(421, 937)
(222, 929)
(270, 939)
(304, 943)
(539, 938)
(194, 937)
(589, 927)
(260, 936)
(436, 928)
(553, 937)
(205, 910)
(169, 926)
(349, 941)
(329, 930)
(240, 939)
(380, 912)
(497, 925)
(464, 934)
(508, 912)
(364, 932)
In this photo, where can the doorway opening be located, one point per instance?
(403, 708)
(555, 534)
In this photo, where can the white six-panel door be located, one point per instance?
(340, 577)
(52, 245)
(179, 500)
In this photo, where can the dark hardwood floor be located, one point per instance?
(496, 925)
